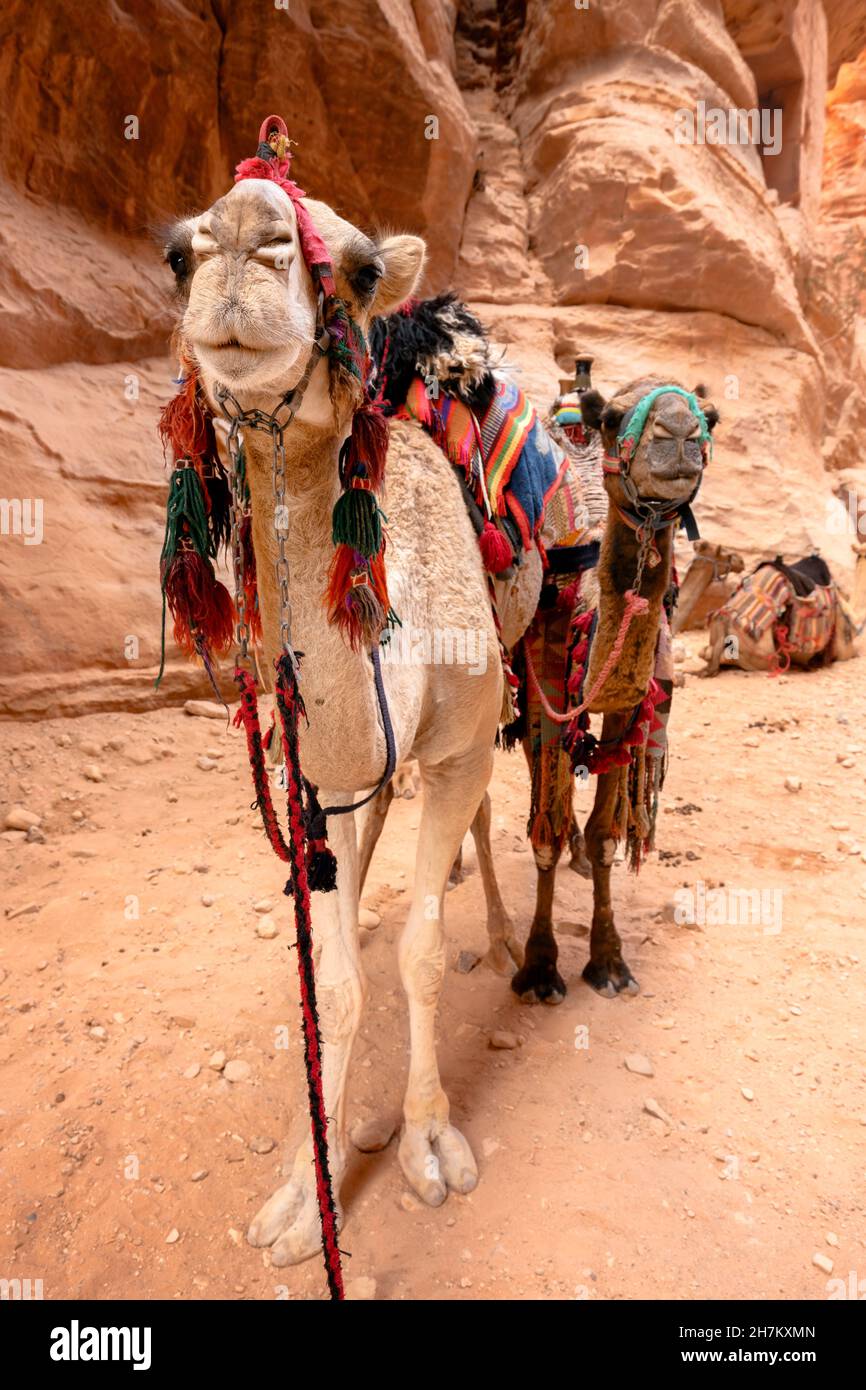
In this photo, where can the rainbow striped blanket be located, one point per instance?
(507, 453)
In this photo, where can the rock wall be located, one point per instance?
(556, 194)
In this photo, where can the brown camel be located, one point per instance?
(665, 470)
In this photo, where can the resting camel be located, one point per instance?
(250, 318)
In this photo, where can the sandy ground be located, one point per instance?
(130, 1167)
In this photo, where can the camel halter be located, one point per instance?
(646, 514)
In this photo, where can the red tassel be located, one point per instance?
(368, 443)
(200, 606)
(184, 423)
(569, 595)
(495, 550)
(251, 592)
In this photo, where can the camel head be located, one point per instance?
(249, 304)
(667, 455)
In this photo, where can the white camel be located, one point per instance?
(249, 323)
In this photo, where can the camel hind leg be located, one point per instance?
(505, 951)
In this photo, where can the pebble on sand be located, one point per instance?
(747, 1093)
(264, 905)
(640, 1065)
(267, 928)
(206, 764)
(653, 1108)
(192, 1071)
(204, 709)
(237, 1071)
(93, 773)
(372, 1134)
(793, 784)
(260, 1144)
(19, 818)
(217, 1061)
(823, 1262)
(503, 1040)
(369, 918)
(173, 1236)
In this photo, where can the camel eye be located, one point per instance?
(366, 278)
(177, 261)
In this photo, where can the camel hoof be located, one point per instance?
(539, 983)
(504, 957)
(289, 1222)
(611, 979)
(434, 1167)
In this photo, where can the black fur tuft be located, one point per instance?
(423, 330)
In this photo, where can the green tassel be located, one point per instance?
(186, 515)
(357, 521)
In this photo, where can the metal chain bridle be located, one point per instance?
(275, 423)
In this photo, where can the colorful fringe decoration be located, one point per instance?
(357, 595)
(197, 527)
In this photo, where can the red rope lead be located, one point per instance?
(294, 853)
(289, 705)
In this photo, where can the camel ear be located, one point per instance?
(711, 415)
(611, 419)
(404, 258)
(592, 404)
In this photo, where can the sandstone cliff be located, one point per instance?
(554, 194)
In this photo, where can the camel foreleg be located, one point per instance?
(605, 970)
(289, 1220)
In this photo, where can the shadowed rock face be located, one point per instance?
(554, 194)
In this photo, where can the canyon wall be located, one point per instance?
(558, 189)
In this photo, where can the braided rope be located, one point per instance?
(634, 606)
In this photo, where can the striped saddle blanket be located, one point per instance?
(766, 600)
(509, 459)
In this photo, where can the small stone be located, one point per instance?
(192, 1071)
(369, 918)
(199, 1175)
(204, 709)
(503, 1040)
(206, 764)
(373, 1133)
(466, 962)
(217, 1061)
(640, 1065)
(823, 1262)
(91, 748)
(35, 836)
(793, 784)
(116, 744)
(98, 1033)
(408, 1202)
(78, 815)
(266, 928)
(262, 1145)
(180, 866)
(237, 1071)
(19, 818)
(207, 899)
(139, 756)
(653, 1108)
(173, 1236)
(840, 825)
(361, 1290)
(832, 1238)
(93, 772)
(264, 905)
(747, 1093)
